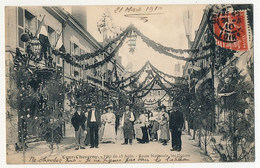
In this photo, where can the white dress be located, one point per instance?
(109, 130)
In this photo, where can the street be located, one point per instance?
(117, 153)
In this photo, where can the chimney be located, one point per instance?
(80, 14)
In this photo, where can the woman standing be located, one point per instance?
(138, 130)
(155, 126)
(102, 127)
(164, 125)
(109, 128)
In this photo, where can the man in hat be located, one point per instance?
(78, 121)
(87, 138)
(94, 122)
(176, 124)
(128, 127)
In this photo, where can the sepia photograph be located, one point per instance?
(109, 84)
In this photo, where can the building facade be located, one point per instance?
(201, 71)
(156, 97)
(71, 28)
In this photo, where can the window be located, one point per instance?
(150, 93)
(155, 93)
(71, 48)
(30, 22)
(76, 73)
(76, 49)
(71, 69)
(159, 92)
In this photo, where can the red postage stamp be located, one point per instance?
(230, 29)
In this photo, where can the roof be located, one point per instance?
(69, 19)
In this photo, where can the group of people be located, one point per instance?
(93, 127)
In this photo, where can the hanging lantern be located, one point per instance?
(132, 42)
(35, 46)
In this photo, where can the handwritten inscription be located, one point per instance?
(142, 12)
(131, 9)
(146, 158)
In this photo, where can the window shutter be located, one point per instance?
(20, 17)
(20, 26)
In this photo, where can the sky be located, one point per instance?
(165, 26)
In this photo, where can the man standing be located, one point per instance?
(127, 123)
(87, 138)
(78, 121)
(176, 124)
(144, 126)
(93, 123)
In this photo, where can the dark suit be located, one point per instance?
(176, 124)
(78, 122)
(94, 127)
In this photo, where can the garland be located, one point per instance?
(158, 45)
(162, 85)
(141, 85)
(164, 50)
(135, 74)
(131, 82)
(170, 83)
(169, 76)
(100, 51)
(161, 100)
(144, 88)
(144, 94)
(73, 60)
(108, 58)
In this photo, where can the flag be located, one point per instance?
(42, 33)
(44, 40)
(42, 29)
(62, 49)
(58, 43)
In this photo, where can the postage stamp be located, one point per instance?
(230, 29)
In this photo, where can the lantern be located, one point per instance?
(132, 42)
(35, 46)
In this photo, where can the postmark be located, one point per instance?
(229, 29)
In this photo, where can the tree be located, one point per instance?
(51, 110)
(206, 112)
(237, 142)
(37, 95)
